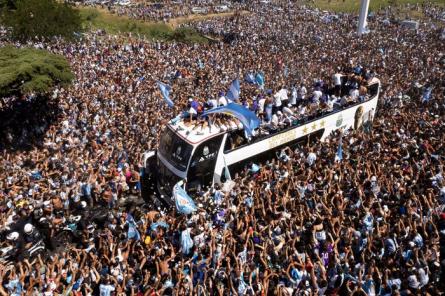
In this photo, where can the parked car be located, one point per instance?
(199, 10)
(222, 8)
(124, 3)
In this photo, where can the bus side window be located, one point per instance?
(234, 140)
(229, 142)
(373, 89)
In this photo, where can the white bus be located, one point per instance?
(202, 157)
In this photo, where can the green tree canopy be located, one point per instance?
(40, 18)
(31, 70)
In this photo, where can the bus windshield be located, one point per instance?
(175, 150)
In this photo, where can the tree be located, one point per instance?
(31, 70)
(40, 18)
(7, 4)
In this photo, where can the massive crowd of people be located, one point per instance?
(167, 10)
(301, 224)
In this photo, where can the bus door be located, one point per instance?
(202, 165)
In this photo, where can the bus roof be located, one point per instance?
(194, 133)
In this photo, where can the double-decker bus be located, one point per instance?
(201, 157)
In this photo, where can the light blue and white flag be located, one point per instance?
(426, 96)
(184, 203)
(248, 118)
(250, 78)
(234, 91)
(154, 226)
(133, 232)
(186, 241)
(259, 78)
(165, 91)
(339, 154)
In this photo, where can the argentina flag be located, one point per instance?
(250, 78)
(259, 78)
(133, 232)
(426, 95)
(154, 226)
(234, 91)
(248, 118)
(165, 91)
(184, 204)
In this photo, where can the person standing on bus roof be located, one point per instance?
(354, 93)
(317, 94)
(213, 103)
(268, 109)
(222, 101)
(337, 83)
(277, 103)
(302, 91)
(294, 96)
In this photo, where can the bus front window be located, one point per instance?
(175, 150)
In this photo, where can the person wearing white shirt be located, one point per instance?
(302, 110)
(284, 96)
(214, 103)
(337, 83)
(274, 121)
(277, 101)
(106, 289)
(294, 95)
(413, 283)
(317, 95)
(222, 101)
(423, 277)
(302, 91)
(354, 93)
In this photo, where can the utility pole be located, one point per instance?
(362, 24)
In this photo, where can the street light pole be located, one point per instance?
(362, 24)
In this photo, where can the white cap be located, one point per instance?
(13, 236)
(28, 228)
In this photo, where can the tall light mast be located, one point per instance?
(362, 24)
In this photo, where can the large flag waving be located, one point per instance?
(234, 91)
(248, 118)
(184, 203)
(165, 91)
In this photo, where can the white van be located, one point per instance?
(199, 10)
(222, 8)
